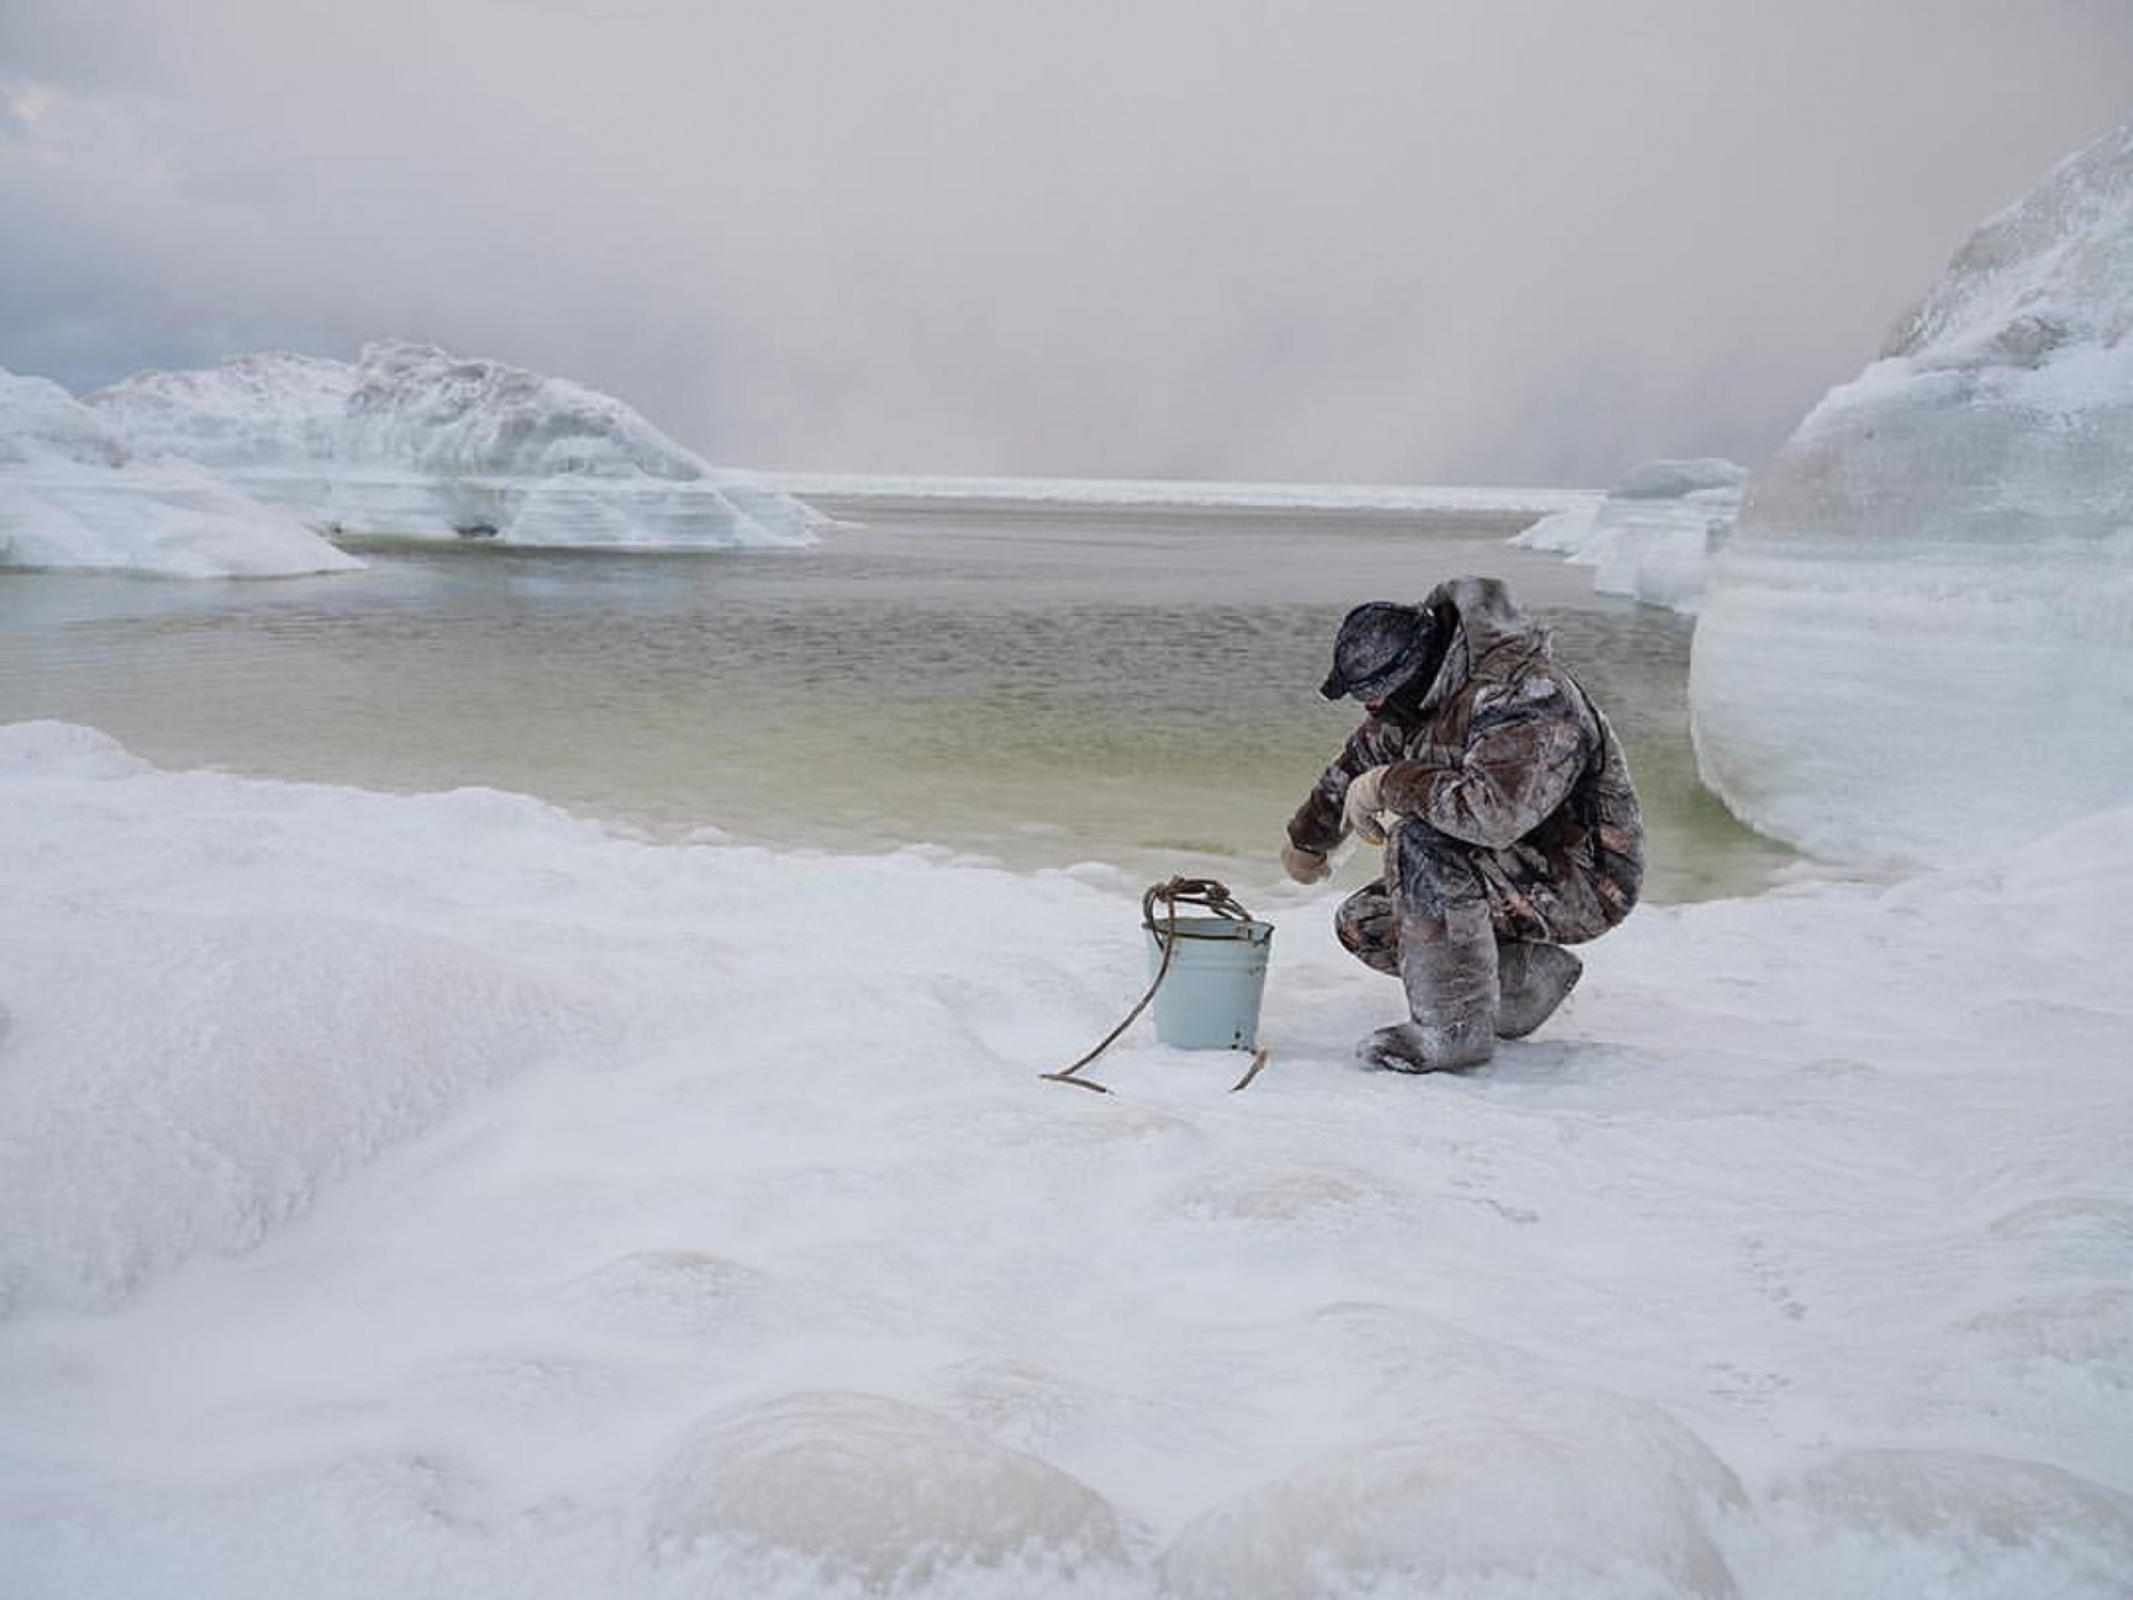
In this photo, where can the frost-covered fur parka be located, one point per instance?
(1507, 766)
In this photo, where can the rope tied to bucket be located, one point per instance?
(1208, 895)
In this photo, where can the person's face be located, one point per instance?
(1402, 702)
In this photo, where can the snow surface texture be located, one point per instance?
(410, 442)
(1918, 645)
(72, 494)
(1654, 536)
(439, 1195)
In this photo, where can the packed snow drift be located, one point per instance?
(441, 1195)
(73, 494)
(1918, 644)
(409, 442)
(1654, 536)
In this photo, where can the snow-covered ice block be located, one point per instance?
(284, 1052)
(862, 1487)
(1918, 644)
(1569, 1492)
(411, 442)
(73, 495)
(1884, 1522)
(1654, 536)
(253, 413)
(187, 1087)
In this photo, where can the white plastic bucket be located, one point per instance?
(1210, 1000)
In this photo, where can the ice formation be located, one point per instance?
(410, 442)
(1654, 536)
(442, 1195)
(1918, 645)
(73, 495)
(1521, 1485)
(1936, 1520)
(863, 1486)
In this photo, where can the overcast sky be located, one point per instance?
(1474, 241)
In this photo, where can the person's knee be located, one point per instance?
(1436, 874)
(1368, 928)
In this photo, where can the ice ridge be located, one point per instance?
(1918, 644)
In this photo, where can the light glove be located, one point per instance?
(1365, 799)
(1305, 866)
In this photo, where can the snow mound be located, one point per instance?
(411, 442)
(2085, 1233)
(1918, 645)
(861, 1487)
(1654, 536)
(1889, 1522)
(1568, 1493)
(683, 1293)
(240, 1059)
(73, 495)
(1283, 1196)
(2083, 1331)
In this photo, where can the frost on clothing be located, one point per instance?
(1513, 766)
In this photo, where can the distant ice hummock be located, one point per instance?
(1919, 642)
(73, 495)
(411, 442)
(1655, 535)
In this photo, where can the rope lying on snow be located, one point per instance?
(1203, 892)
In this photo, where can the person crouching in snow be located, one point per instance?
(1517, 830)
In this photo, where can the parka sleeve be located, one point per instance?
(1526, 745)
(1318, 823)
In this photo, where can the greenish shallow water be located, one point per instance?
(1044, 687)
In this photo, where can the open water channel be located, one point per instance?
(1040, 685)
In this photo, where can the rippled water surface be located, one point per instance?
(1041, 686)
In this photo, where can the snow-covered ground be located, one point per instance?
(440, 1195)
(1918, 644)
(1654, 537)
(74, 495)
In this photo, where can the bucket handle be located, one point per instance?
(1202, 892)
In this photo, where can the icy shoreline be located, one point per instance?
(440, 1194)
(1465, 507)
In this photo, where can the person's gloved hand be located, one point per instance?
(1365, 799)
(1305, 866)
